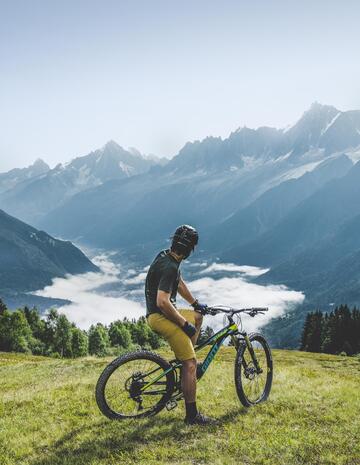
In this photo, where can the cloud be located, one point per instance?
(197, 264)
(107, 266)
(88, 305)
(115, 293)
(139, 279)
(236, 292)
(244, 269)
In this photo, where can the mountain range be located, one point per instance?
(286, 199)
(211, 183)
(12, 178)
(31, 193)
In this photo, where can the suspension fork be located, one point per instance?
(252, 354)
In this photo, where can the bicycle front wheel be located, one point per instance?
(122, 392)
(253, 384)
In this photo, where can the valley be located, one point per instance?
(282, 199)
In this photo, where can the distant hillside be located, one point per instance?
(30, 259)
(249, 223)
(307, 224)
(33, 197)
(313, 248)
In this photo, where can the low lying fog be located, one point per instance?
(115, 292)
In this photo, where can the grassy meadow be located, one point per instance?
(48, 416)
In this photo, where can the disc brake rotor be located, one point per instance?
(250, 371)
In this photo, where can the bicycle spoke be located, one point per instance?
(254, 382)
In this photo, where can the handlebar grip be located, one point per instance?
(205, 311)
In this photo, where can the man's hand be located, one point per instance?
(189, 329)
(198, 307)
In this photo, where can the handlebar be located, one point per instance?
(233, 311)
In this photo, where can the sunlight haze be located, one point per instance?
(154, 75)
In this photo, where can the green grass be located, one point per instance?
(48, 416)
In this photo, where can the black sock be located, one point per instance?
(191, 410)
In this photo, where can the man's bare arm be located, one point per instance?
(185, 292)
(167, 308)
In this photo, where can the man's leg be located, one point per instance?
(188, 378)
(188, 385)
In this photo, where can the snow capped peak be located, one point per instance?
(287, 128)
(317, 107)
(39, 163)
(331, 123)
(134, 151)
(128, 170)
(240, 128)
(317, 114)
(111, 145)
(59, 167)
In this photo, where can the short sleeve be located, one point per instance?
(168, 279)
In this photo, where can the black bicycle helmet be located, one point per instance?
(184, 240)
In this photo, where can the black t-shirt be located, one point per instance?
(163, 274)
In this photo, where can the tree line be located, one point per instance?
(24, 330)
(337, 332)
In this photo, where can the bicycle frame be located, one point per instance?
(216, 341)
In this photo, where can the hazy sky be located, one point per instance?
(155, 74)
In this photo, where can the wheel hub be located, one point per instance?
(250, 372)
(134, 384)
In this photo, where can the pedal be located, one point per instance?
(171, 404)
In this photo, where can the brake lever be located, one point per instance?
(210, 312)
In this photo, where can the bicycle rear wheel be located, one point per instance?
(253, 386)
(119, 391)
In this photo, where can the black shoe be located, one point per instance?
(201, 420)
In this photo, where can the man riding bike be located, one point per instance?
(180, 328)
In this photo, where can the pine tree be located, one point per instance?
(2, 307)
(345, 325)
(329, 335)
(314, 332)
(305, 332)
(325, 323)
(355, 330)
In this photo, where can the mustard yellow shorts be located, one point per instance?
(179, 342)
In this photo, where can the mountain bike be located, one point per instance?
(140, 384)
